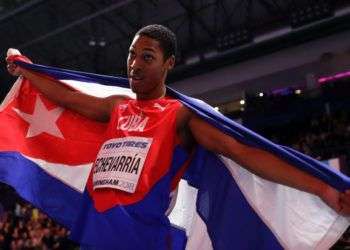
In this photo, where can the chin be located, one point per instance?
(136, 90)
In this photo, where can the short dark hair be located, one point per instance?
(165, 37)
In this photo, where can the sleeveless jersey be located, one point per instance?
(128, 190)
(141, 150)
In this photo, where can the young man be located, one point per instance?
(156, 118)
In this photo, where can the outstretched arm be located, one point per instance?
(262, 163)
(90, 106)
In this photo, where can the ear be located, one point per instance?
(170, 62)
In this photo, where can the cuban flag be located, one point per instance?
(47, 154)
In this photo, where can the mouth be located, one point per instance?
(135, 78)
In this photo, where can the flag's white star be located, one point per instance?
(42, 120)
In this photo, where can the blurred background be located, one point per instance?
(280, 67)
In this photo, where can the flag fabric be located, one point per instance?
(47, 154)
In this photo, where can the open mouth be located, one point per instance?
(136, 78)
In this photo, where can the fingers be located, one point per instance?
(13, 69)
(22, 58)
(9, 59)
(13, 52)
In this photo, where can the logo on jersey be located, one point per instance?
(132, 123)
(160, 107)
(123, 107)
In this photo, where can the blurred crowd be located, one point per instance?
(26, 228)
(323, 137)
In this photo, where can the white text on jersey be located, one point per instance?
(132, 123)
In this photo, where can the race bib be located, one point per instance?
(119, 163)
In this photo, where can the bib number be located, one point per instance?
(119, 163)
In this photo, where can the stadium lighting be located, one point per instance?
(193, 59)
(210, 54)
(102, 43)
(261, 94)
(297, 91)
(242, 102)
(92, 43)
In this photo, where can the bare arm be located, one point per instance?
(92, 107)
(261, 163)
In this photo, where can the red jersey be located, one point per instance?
(138, 154)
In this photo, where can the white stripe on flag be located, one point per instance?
(184, 215)
(99, 90)
(299, 220)
(73, 176)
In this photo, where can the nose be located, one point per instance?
(135, 63)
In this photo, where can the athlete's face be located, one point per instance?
(147, 68)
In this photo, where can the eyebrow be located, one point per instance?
(149, 49)
(145, 49)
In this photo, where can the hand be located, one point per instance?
(11, 67)
(339, 202)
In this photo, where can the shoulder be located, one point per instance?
(114, 100)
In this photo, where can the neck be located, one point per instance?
(160, 93)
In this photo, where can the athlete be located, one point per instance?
(151, 56)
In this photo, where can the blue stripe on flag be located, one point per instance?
(39, 188)
(231, 221)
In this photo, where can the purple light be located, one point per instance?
(287, 90)
(326, 79)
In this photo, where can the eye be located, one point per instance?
(148, 57)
